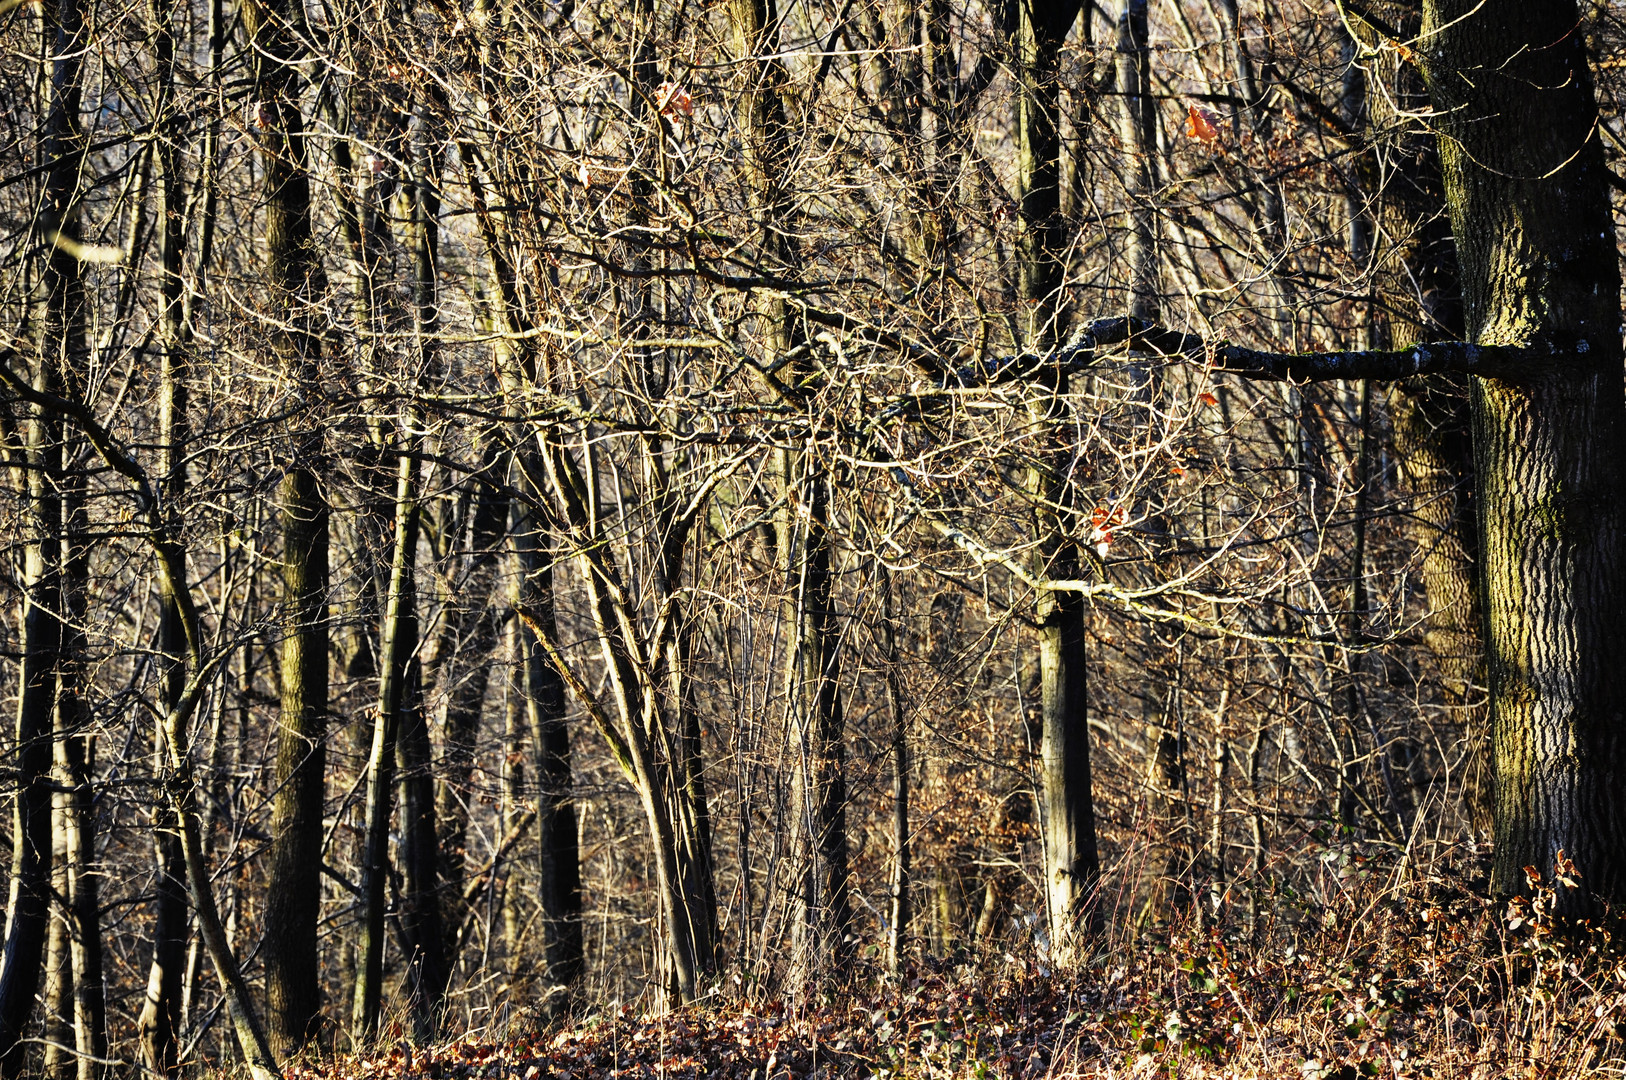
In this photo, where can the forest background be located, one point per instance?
(519, 513)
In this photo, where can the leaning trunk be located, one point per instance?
(397, 642)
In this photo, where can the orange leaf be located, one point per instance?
(671, 99)
(1207, 399)
(1200, 125)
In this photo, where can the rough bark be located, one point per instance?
(1418, 298)
(1525, 181)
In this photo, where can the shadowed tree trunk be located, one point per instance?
(62, 341)
(87, 1006)
(465, 674)
(420, 906)
(899, 913)
(542, 679)
(542, 697)
(161, 1017)
(295, 280)
(825, 945)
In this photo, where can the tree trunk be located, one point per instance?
(1071, 864)
(62, 340)
(1526, 185)
(543, 700)
(823, 927)
(397, 642)
(295, 280)
(89, 986)
(465, 674)
(56, 1027)
(898, 916)
(823, 931)
(161, 1016)
(293, 902)
(181, 787)
(1415, 282)
(1138, 133)
(77, 820)
(643, 735)
(420, 902)
(559, 891)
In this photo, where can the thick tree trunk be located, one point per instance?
(1525, 181)
(293, 902)
(1071, 863)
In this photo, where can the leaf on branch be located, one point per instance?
(1564, 871)
(672, 100)
(1200, 125)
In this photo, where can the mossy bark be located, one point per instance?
(1525, 181)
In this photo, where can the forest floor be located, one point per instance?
(1383, 973)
